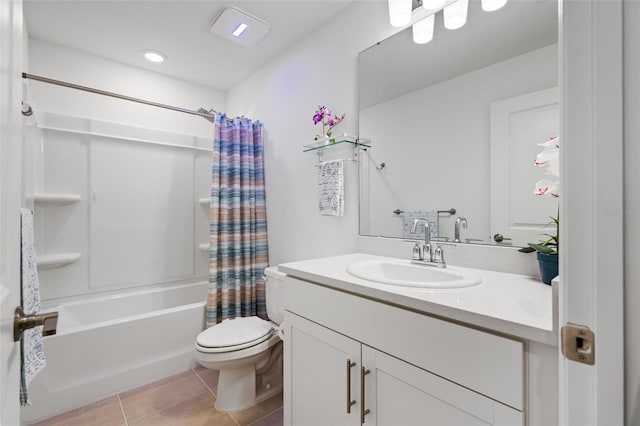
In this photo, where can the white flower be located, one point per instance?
(549, 157)
(544, 187)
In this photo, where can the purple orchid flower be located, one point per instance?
(327, 118)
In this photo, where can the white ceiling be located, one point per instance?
(121, 29)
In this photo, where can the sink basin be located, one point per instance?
(404, 273)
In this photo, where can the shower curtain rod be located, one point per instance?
(209, 115)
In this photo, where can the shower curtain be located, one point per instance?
(238, 251)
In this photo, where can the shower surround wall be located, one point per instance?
(135, 291)
(139, 220)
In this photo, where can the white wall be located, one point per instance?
(320, 69)
(632, 209)
(430, 139)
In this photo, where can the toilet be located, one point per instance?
(247, 351)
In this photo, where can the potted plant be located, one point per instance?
(547, 253)
(547, 250)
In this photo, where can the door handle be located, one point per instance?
(22, 322)
(498, 238)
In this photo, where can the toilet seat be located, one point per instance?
(234, 334)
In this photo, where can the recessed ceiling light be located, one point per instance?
(154, 56)
(239, 26)
(239, 30)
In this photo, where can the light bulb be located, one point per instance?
(423, 30)
(433, 4)
(399, 12)
(455, 15)
(491, 5)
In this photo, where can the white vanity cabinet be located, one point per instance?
(349, 353)
(398, 393)
(321, 375)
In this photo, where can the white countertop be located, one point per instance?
(516, 305)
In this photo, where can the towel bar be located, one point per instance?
(450, 211)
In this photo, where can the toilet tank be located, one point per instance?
(275, 294)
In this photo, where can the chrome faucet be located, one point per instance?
(426, 247)
(427, 256)
(459, 221)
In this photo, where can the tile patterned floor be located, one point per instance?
(186, 399)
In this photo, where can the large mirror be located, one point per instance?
(454, 125)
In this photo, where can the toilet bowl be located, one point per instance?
(247, 352)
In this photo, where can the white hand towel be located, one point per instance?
(407, 222)
(331, 188)
(32, 353)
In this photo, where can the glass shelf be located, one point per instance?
(339, 139)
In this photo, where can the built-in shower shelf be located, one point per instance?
(204, 201)
(55, 198)
(204, 246)
(56, 260)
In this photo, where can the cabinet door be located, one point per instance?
(317, 375)
(398, 393)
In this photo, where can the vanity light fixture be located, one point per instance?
(423, 30)
(400, 12)
(491, 5)
(455, 15)
(423, 18)
(154, 56)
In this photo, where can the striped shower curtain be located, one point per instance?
(238, 222)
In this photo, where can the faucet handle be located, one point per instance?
(417, 252)
(439, 255)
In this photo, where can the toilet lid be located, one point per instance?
(234, 332)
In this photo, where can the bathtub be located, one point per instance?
(105, 345)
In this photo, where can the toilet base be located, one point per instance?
(240, 388)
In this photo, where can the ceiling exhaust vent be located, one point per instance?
(236, 25)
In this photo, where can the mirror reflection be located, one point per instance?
(455, 124)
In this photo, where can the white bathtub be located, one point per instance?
(106, 345)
